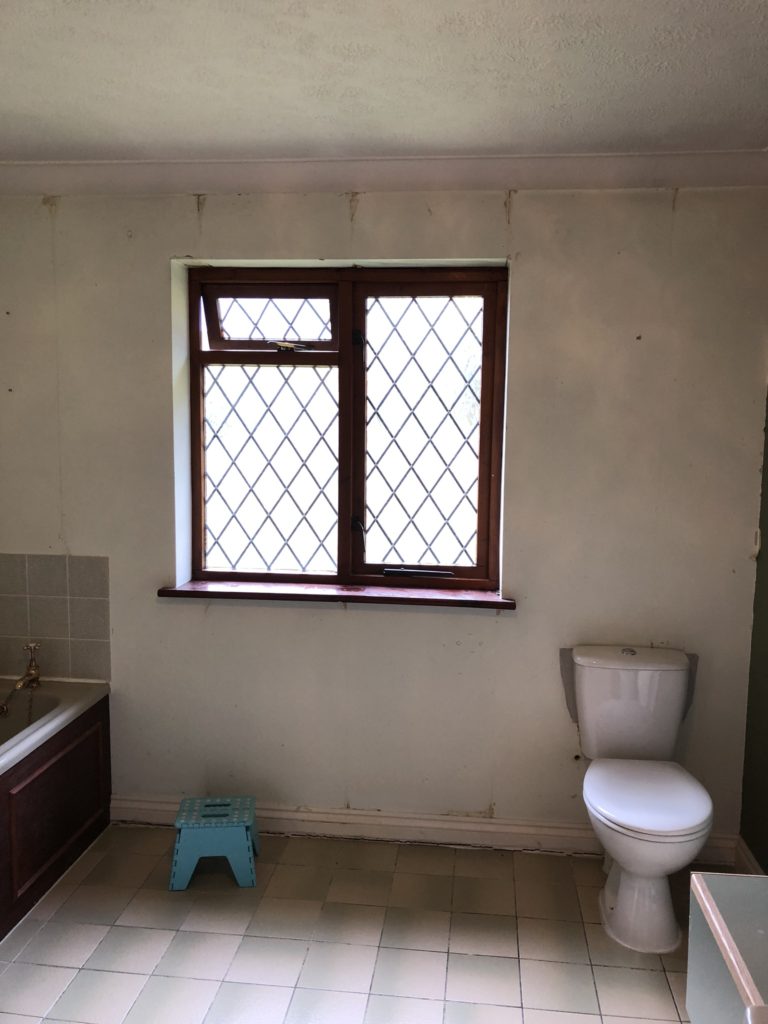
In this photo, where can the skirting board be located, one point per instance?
(448, 830)
(745, 861)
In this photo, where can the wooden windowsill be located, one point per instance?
(231, 590)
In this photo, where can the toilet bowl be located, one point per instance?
(652, 818)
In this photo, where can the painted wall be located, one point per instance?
(754, 819)
(637, 368)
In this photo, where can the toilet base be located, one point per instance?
(637, 912)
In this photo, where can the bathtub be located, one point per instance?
(53, 705)
(55, 786)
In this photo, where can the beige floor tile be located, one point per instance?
(369, 888)
(50, 903)
(409, 972)
(110, 835)
(150, 839)
(130, 950)
(421, 892)
(152, 909)
(483, 979)
(144, 839)
(607, 953)
(94, 904)
(271, 849)
(402, 1010)
(160, 875)
(483, 934)
(588, 871)
(213, 874)
(290, 881)
(426, 860)
(416, 929)
(220, 912)
(367, 856)
(348, 922)
(18, 937)
(542, 869)
(249, 1004)
(99, 997)
(630, 992)
(562, 941)
(82, 866)
(32, 989)
(125, 870)
(485, 864)
(264, 874)
(481, 1013)
(678, 982)
(554, 901)
(172, 1001)
(307, 851)
(677, 961)
(309, 1006)
(285, 919)
(631, 1020)
(588, 903)
(198, 955)
(268, 961)
(483, 896)
(338, 966)
(63, 944)
(557, 986)
(561, 1017)
(330, 949)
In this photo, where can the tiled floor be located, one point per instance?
(336, 932)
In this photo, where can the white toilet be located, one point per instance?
(651, 816)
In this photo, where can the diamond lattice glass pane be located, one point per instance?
(423, 363)
(276, 319)
(271, 468)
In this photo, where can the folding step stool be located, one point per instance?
(215, 826)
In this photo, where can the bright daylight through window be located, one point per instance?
(347, 425)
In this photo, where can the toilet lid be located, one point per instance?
(653, 797)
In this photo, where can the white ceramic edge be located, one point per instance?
(75, 697)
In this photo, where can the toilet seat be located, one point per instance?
(645, 836)
(652, 800)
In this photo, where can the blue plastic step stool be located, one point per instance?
(215, 826)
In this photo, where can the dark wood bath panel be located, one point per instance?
(53, 804)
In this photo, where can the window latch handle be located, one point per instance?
(358, 338)
(359, 527)
(290, 346)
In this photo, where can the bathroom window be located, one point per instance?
(347, 426)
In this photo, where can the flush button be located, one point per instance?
(628, 650)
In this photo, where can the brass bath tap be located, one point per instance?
(31, 678)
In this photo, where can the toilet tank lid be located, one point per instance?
(657, 659)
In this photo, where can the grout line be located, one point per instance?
(26, 589)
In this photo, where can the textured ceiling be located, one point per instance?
(283, 79)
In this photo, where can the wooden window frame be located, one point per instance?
(347, 289)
